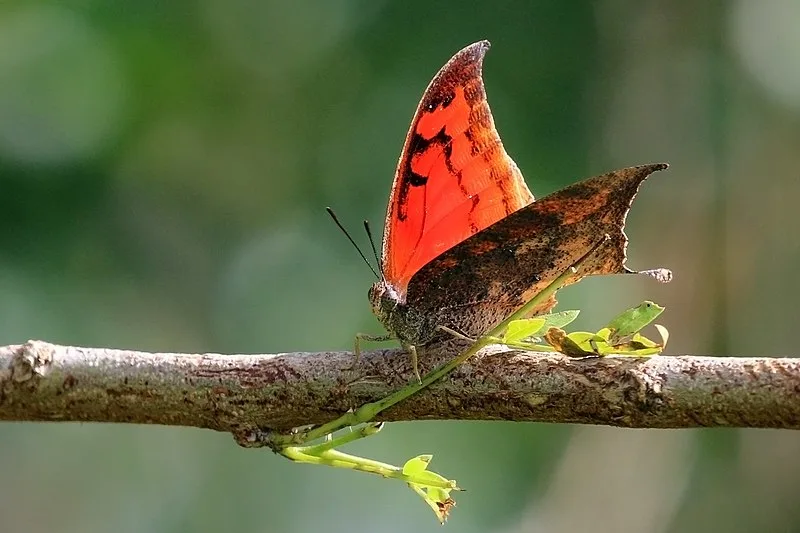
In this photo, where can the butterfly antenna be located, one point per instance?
(349, 238)
(374, 249)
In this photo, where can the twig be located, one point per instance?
(246, 394)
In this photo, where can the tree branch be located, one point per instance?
(242, 393)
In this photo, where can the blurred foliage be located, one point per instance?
(164, 168)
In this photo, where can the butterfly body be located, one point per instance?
(465, 244)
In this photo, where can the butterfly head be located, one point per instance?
(384, 299)
(401, 320)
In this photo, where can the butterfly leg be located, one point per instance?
(414, 361)
(366, 337)
(383, 338)
(455, 333)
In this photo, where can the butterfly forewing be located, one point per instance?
(454, 177)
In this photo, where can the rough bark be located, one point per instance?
(240, 393)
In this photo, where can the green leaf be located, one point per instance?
(520, 333)
(663, 332)
(522, 329)
(631, 321)
(567, 344)
(559, 320)
(427, 485)
(432, 480)
(417, 464)
(641, 346)
(603, 334)
(438, 500)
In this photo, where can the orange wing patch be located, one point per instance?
(454, 177)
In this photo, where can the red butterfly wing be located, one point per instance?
(454, 177)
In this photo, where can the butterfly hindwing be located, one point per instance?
(493, 273)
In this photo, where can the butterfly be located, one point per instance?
(465, 244)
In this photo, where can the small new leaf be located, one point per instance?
(631, 321)
(520, 330)
(620, 337)
(566, 344)
(559, 320)
(437, 499)
(428, 485)
(417, 464)
(526, 332)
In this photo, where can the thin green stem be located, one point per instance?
(337, 459)
(351, 436)
(523, 345)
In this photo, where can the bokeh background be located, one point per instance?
(164, 169)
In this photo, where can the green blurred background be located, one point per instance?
(164, 169)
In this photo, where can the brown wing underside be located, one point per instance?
(476, 284)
